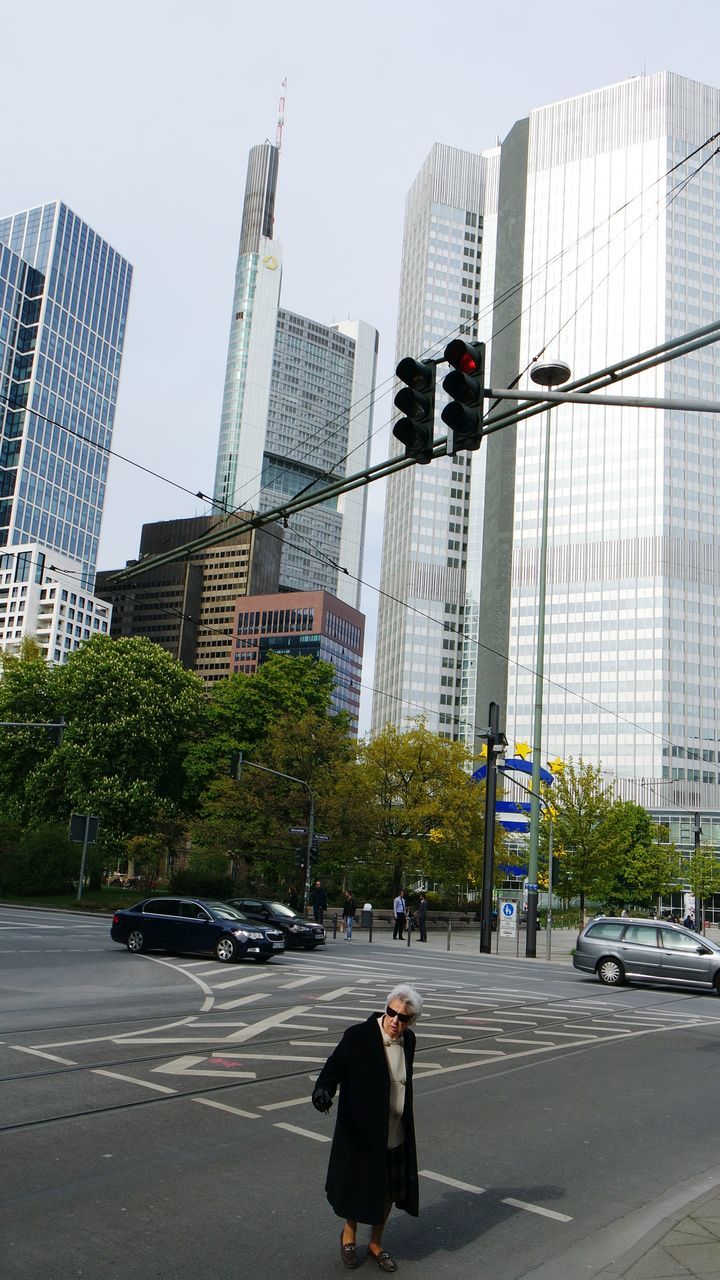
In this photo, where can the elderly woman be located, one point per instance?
(373, 1164)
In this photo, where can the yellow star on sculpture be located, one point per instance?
(523, 750)
(557, 765)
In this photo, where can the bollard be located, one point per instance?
(449, 932)
(370, 929)
(335, 920)
(409, 929)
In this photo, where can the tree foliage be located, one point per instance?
(415, 807)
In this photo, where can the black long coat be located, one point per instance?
(355, 1181)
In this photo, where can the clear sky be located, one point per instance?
(141, 116)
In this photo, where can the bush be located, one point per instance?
(42, 861)
(206, 876)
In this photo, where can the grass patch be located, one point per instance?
(106, 900)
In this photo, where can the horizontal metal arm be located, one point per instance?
(626, 402)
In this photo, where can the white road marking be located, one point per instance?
(537, 1208)
(223, 1106)
(517, 1040)
(313, 1044)
(489, 1053)
(428, 1035)
(144, 1084)
(298, 982)
(275, 1020)
(186, 1066)
(291, 1102)
(304, 1133)
(452, 1182)
(339, 991)
(253, 998)
(52, 1057)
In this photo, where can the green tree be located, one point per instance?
(251, 818)
(416, 807)
(646, 864)
(585, 837)
(702, 872)
(130, 712)
(242, 710)
(28, 692)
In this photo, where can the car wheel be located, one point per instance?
(135, 941)
(225, 949)
(610, 972)
(716, 982)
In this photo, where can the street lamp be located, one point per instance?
(549, 375)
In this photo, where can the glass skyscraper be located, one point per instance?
(607, 243)
(297, 406)
(63, 304)
(446, 276)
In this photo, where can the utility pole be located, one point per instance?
(697, 832)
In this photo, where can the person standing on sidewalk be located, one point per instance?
(348, 912)
(318, 902)
(373, 1162)
(422, 917)
(399, 911)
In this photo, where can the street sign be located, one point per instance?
(84, 828)
(508, 919)
(298, 831)
(320, 839)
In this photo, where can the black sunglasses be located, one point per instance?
(401, 1017)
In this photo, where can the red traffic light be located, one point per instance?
(467, 357)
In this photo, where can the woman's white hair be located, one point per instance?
(408, 995)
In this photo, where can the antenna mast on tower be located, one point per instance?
(281, 115)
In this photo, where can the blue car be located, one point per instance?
(197, 926)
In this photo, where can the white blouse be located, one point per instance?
(395, 1055)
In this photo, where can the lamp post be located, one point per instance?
(552, 374)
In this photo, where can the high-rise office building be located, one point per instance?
(63, 303)
(188, 607)
(446, 280)
(304, 624)
(608, 244)
(297, 406)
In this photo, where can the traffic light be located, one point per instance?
(464, 385)
(235, 764)
(417, 401)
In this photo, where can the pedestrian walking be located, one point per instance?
(422, 917)
(348, 912)
(318, 902)
(373, 1162)
(399, 912)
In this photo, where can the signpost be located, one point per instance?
(508, 919)
(83, 830)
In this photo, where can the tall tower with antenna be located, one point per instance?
(297, 404)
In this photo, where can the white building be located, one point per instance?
(297, 407)
(41, 597)
(607, 244)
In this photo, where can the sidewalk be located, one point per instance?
(691, 1247)
(465, 941)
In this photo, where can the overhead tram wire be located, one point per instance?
(504, 297)
(511, 290)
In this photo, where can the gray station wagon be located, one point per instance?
(647, 951)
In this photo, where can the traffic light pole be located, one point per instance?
(495, 742)
(241, 764)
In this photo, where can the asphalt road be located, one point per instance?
(155, 1118)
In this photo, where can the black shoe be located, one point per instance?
(383, 1260)
(348, 1253)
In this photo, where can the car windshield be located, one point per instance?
(279, 909)
(221, 911)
